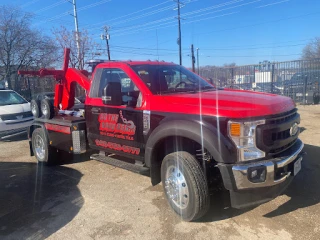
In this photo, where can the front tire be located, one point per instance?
(185, 185)
(44, 153)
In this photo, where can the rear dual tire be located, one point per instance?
(35, 108)
(45, 108)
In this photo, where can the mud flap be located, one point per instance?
(31, 150)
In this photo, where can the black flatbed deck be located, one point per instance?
(64, 120)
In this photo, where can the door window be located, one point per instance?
(128, 89)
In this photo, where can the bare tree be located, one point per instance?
(312, 50)
(66, 38)
(230, 64)
(21, 46)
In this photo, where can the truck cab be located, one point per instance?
(163, 120)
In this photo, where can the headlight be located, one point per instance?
(243, 134)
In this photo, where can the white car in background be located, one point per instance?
(15, 114)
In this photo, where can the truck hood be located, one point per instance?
(15, 108)
(230, 103)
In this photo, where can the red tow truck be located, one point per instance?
(162, 120)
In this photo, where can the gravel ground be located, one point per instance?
(92, 200)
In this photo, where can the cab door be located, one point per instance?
(115, 128)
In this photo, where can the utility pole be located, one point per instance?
(192, 58)
(77, 32)
(198, 61)
(179, 32)
(106, 37)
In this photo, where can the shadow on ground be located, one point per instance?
(304, 191)
(37, 201)
(302, 129)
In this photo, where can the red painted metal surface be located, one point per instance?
(57, 128)
(223, 103)
(66, 78)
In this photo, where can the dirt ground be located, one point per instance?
(92, 200)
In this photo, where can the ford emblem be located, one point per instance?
(294, 129)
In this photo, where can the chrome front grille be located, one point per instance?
(274, 136)
(16, 116)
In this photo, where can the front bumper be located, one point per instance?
(278, 174)
(12, 128)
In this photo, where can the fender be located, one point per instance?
(220, 148)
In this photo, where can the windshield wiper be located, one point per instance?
(179, 91)
(207, 88)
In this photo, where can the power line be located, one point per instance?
(215, 56)
(232, 49)
(193, 15)
(270, 55)
(258, 24)
(228, 8)
(93, 5)
(51, 6)
(271, 4)
(142, 10)
(170, 19)
(262, 44)
(138, 48)
(138, 17)
(68, 12)
(124, 29)
(141, 54)
(143, 15)
(29, 3)
(207, 49)
(165, 25)
(205, 33)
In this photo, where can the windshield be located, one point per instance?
(10, 98)
(166, 79)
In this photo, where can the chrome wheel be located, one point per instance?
(34, 109)
(39, 147)
(176, 187)
(44, 109)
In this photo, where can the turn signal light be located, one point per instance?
(235, 129)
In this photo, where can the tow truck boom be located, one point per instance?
(66, 81)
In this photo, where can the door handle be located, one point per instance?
(95, 110)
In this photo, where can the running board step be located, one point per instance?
(121, 164)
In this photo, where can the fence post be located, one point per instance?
(305, 83)
(272, 77)
(232, 76)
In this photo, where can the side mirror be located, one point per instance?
(132, 102)
(112, 94)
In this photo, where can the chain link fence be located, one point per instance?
(298, 80)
